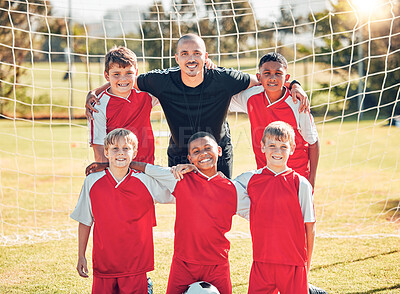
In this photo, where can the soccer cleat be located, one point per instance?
(315, 290)
(149, 286)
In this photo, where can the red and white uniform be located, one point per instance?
(122, 213)
(280, 205)
(262, 112)
(132, 113)
(204, 210)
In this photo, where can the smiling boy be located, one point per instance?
(272, 101)
(282, 220)
(205, 205)
(122, 107)
(120, 203)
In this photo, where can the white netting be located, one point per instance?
(347, 58)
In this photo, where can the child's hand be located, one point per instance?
(95, 167)
(179, 170)
(82, 267)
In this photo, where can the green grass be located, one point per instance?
(357, 193)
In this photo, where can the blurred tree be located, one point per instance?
(227, 28)
(20, 22)
(343, 30)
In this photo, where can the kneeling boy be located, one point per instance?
(120, 203)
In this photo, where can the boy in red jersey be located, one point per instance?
(120, 203)
(282, 220)
(205, 205)
(272, 101)
(121, 106)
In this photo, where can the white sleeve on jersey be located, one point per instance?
(306, 200)
(98, 126)
(159, 192)
(163, 175)
(244, 178)
(305, 122)
(83, 210)
(307, 129)
(243, 201)
(239, 101)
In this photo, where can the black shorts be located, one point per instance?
(178, 155)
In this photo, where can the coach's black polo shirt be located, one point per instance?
(189, 110)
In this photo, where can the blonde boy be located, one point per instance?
(282, 220)
(119, 202)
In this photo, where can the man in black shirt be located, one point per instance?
(195, 98)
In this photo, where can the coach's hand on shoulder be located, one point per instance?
(95, 167)
(210, 64)
(179, 170)
(82, 267)
(299, 93)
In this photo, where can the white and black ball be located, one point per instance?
(201, 288)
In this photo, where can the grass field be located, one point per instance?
(356, 200)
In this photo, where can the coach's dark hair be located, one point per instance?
(201, 135)
(120, 55)
(273, 56)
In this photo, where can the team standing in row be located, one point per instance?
(195, 100)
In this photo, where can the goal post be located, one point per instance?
(346, 56)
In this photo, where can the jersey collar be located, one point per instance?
(120, 97)
(115, 180)
(275, 173)
(207, 177)
(287, 93)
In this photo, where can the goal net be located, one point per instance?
(345, 54)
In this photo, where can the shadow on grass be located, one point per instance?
(377, 290)
(354, 260)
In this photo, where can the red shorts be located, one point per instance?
(268, 277)
(132, 284)
(182, 274)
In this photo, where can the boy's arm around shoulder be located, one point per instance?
(158, 192)
(243, 201)
(163, 175)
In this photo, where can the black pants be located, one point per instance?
(178, 155)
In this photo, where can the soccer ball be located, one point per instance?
(201, 288)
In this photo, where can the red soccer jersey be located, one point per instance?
(123, 220)
(132, 113)
(280, 205)
(204, 210)
(262, 112)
